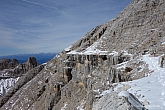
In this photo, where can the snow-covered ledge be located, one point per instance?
(133, 100)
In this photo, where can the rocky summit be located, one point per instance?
(115, 66)
(12, 70)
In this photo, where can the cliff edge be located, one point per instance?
(99, 71)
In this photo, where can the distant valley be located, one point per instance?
(41, 57)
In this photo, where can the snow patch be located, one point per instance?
(131, 99)
(124, 93)
(116, 86)
(6, 84)
(151, 87)
(122, 65)
(105, 92)
(91, 50)
(64, 107)
(73, 52)
(68, 48)
(66, 67)
(81, 106)
(44, 63)
(40, 82)
(154, 29)
(114, 53)
(89, 75)
(163, 43)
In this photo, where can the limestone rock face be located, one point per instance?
(114, 102)
(8, 64)
(31, 63)
(21, 82)
(83, 75)
(11, 70)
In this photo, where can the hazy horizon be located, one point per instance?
(30, 53)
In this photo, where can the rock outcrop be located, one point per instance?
(118, 101)
(21, 82)
(8, 64)
(11, 70)
(162, 61)
(82, 75)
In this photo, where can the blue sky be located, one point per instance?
(35, 26)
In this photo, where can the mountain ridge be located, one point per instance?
(41, 57)
(88, 75)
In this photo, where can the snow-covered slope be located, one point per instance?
(6, 84)
(150, 89)
(112, 57)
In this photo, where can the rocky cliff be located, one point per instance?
(11, 70)
(8, 64)
(86, 75)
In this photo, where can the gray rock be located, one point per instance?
(75, 78)
(112, 101)
(8, 64)
(162, 61)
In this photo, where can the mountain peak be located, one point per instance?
(91, 74)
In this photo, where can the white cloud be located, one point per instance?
(40, 4)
